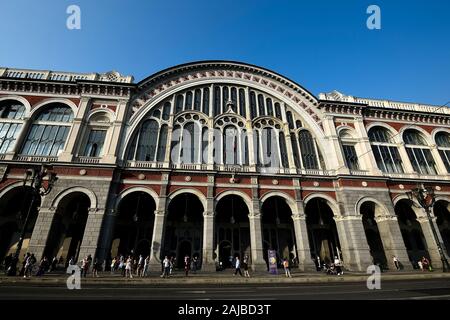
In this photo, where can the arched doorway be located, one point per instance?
(134, 225)
(322, 232)
(232, 232)
(411, 231)
(67, 229)
(441, 212)
(14, 206)
(184, 228)
(278, 229)
(368, 211)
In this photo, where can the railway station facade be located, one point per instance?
(217, 159)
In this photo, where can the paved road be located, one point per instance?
(411, 289)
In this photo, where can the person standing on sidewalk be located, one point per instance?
(187, 265)
(396, 262)
(237, 265)
(129, 268)
(146, 263)
(166, 267)
(287, 271)
(245, 265)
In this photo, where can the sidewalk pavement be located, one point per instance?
(219, 278)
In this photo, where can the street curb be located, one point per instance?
(217, 281)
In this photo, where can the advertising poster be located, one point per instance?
(272, 255)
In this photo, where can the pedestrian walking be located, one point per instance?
(129, 268)
(29, 265)
(245, 265)
(166, 267)
(146, 264)
(187, 265)
(96, 268)
(287, 271)
(85, 264)
(140, 265)
(171, 264)
(396, 262)
(194, 264)
(43, 266)
(420, 264)
(237, 266)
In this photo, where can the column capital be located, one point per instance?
(423, 219)
(390, 217)
(298, 216)
(208, 214)
(159, 213)
(347, 218)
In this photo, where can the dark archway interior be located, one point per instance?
(67, 229)
(14, 206)
(278, 229)
(443, 221)
(232, 232)
(134, 225)
(411, 231)
(322, 232)
(367, 211)
(184, 229)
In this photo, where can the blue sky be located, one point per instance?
(322, 45)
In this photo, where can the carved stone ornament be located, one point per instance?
(187, 178)
(141, 176)
(83, 172)
(275, 182)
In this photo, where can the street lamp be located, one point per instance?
(426, 198)
(35, 178)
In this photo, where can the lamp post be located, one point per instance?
(426, 198)
(35, 178)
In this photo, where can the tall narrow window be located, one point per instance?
(351, 158)
(261, 107)
(278, 111)
(179, 104)
(308, 150)
(206, 101)
(418, 152)
(188, 102)
(242, 111)
(283, 150)
(269, 107)
(146, 149)
(234, 96)
(295, 151)
(216, 101)
(230, 141)
(290, 120)
(385, 150)
(197, 99)
(94, 145)
(205, 139)
(162, 143)
(175, 145)
(49, 131)
(443, 143)
(166, 111)
(225, 97)
(253, 110)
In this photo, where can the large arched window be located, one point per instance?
(308, 150)
(187, 144)
(49, 131)
(232, 141)
(385, 150)
(443, 143)
(11, 122)
(419, 152)
(270, 145)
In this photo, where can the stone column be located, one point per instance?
(352, 237)
(157, 241)
(258, 263)
(112, 141)
(41, 231)
(91, 233)
(301, 239)
(392, 240)
(158, 226)
(431, 244)
(208, 262)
